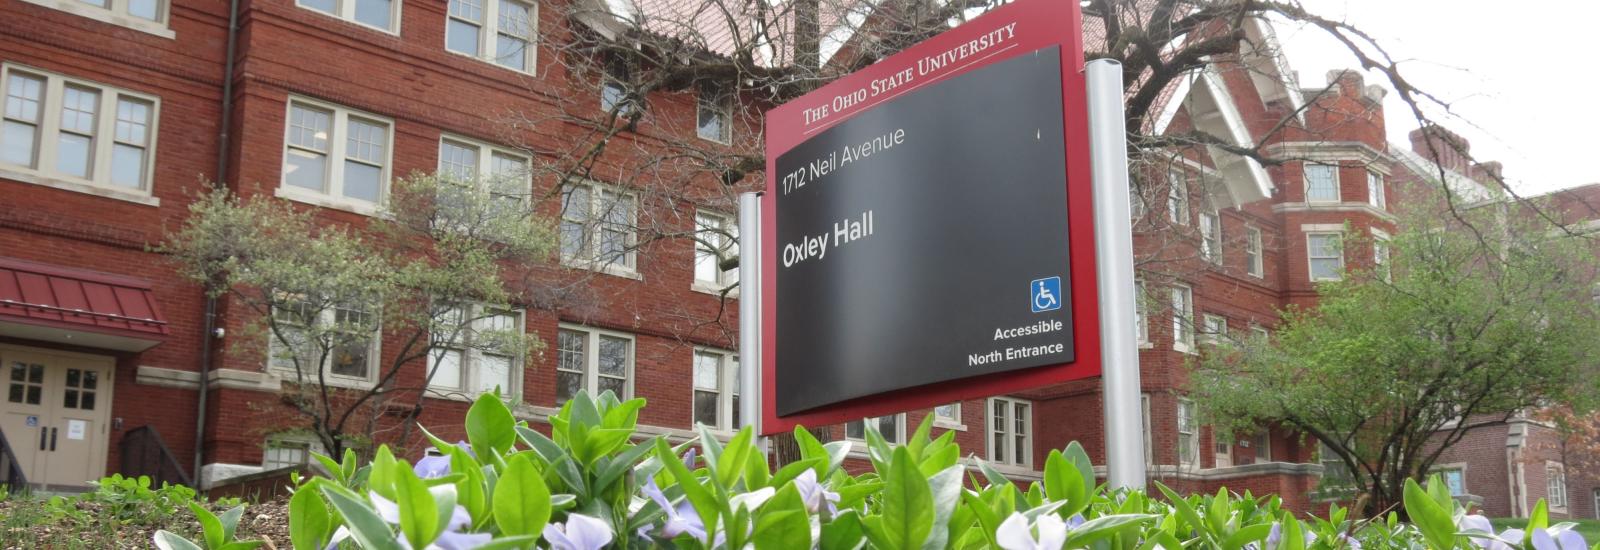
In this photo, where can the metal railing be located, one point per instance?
(144, 453)
(10, 469)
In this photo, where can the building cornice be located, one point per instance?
(1375, 160)
(1347, 207)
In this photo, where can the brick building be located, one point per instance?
(119, 113)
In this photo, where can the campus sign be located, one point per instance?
(927, 229)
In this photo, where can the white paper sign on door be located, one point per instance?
(75, 429)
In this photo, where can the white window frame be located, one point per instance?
(1216, 329)
(117, 14)
(591, 359)
(590, 256)
(1333, 170)
(333, 194)
(899, 435)
(311, 445)
(1445, 470)
(47, 134)
(616, 75)
(1014, 457)
(1141, 314)
(1177, 198)
(1188, 430)
(706, 99)
(329, 315)
(489, 34)
(1144, 419)
(1555, 474)
(1254, 252)
(469, 384)
(1221, 450)
(485, 163)
(1182, 303)
(950, 421)
(347, 12)
(1262, 442)
(724, 279)
(1136, 206)
(1259, 331)
(1211, 237)
(1595, 494)
(728, 388)
(1376, 195)
(1311, 259)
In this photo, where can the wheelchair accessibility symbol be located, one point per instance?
(1046, 294)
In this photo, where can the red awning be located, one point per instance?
(74, 306)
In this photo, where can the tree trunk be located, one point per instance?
(785, 450)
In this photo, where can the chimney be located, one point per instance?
(1447, 149)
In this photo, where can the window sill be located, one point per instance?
(708, 288)
(710, 140)
(79, 186)
(1146, 345)
(396, 16)
(287, 376)
(608, 269)
(489, 62)
(1185, 348)
(456, 394)
(107, 16)
(317, 199)
(948, 425)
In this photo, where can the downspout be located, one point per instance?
(210, 318)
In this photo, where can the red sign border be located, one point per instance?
(1038, 24)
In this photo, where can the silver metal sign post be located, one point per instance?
(1113, 239)
(750, 311)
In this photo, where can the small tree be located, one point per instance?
(319, 293)
(1396, 364)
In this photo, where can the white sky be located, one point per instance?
(1520, 76)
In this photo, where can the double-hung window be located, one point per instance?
(714, 114)
(616, 93)
(1556, 484)
(288, 452)
(1011, 431)
(597, 228)
(716, 238)
(1322, 183)
(148, 16)
(1262, 441)
(1216, 329)
(499, 31)
(1135, 202)
(1211, 237)
(502, 172)
(1177, 198)
(1140, 316)
(334, 156)
(1380, 258)
(716, 389)
(1182, 318)
(948, 414)
(1325, 251)
(383, 15)
(891, 427)
(1455, 478)
(340, 341)
(75, 134)
(1188, 434)
(477, 349)
(593, 360)
(1254, 264)
(1375, 193)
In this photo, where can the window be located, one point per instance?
(77, 133)
(341, 341)
(1211, 237)
(1135, 203)
(1182, 318)
(383, 15)
(284, 452)
(1177, 198)
(714, 114)
(498, 31)
(503, 172)
(716, 238)
(716, 389)
(1326, 256)
(1140, 316)
(477, 350)
(593, 360)
(1263, 445)
(1455, 478)
(1144, 419)
(148, 16)
(597, 227)
(949, 413)
(1375, 193)
(1260, 334)
(334, 156)
(1216, 329)
(1222, 448)
(1556, 484)
(1254, 263)
(615, 91)
(1380, 258)
(1322, 183)
(1188, 434)
(891, 427)
(1011, 431)
(1596, 503)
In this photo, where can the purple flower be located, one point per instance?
(688, 458)
(580, 532)
(1014, 533)
(432, 466)
(814, 494)
(680, 519)
(451, 539)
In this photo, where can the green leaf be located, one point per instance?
(365, 526)
(167, 540)
(1246, 535)
(230, 522)
(988, 521)
(242, 545)
(380, 478)
(782, 522)
(843, 532)
(704, 503)
(620, 465)
(945, 489)
(521, 499)
(1186, 512)
(471, 492)
(907, 502)
(730, 465)
(793, 469)
(491, 429)
(1538, 520)
(1106, 526)
(1434, 522)
(1293, 534)
(521, 542)
(811, 448)
(209, 524)
(419, 512)
(309, 524)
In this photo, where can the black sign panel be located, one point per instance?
(925, 240)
